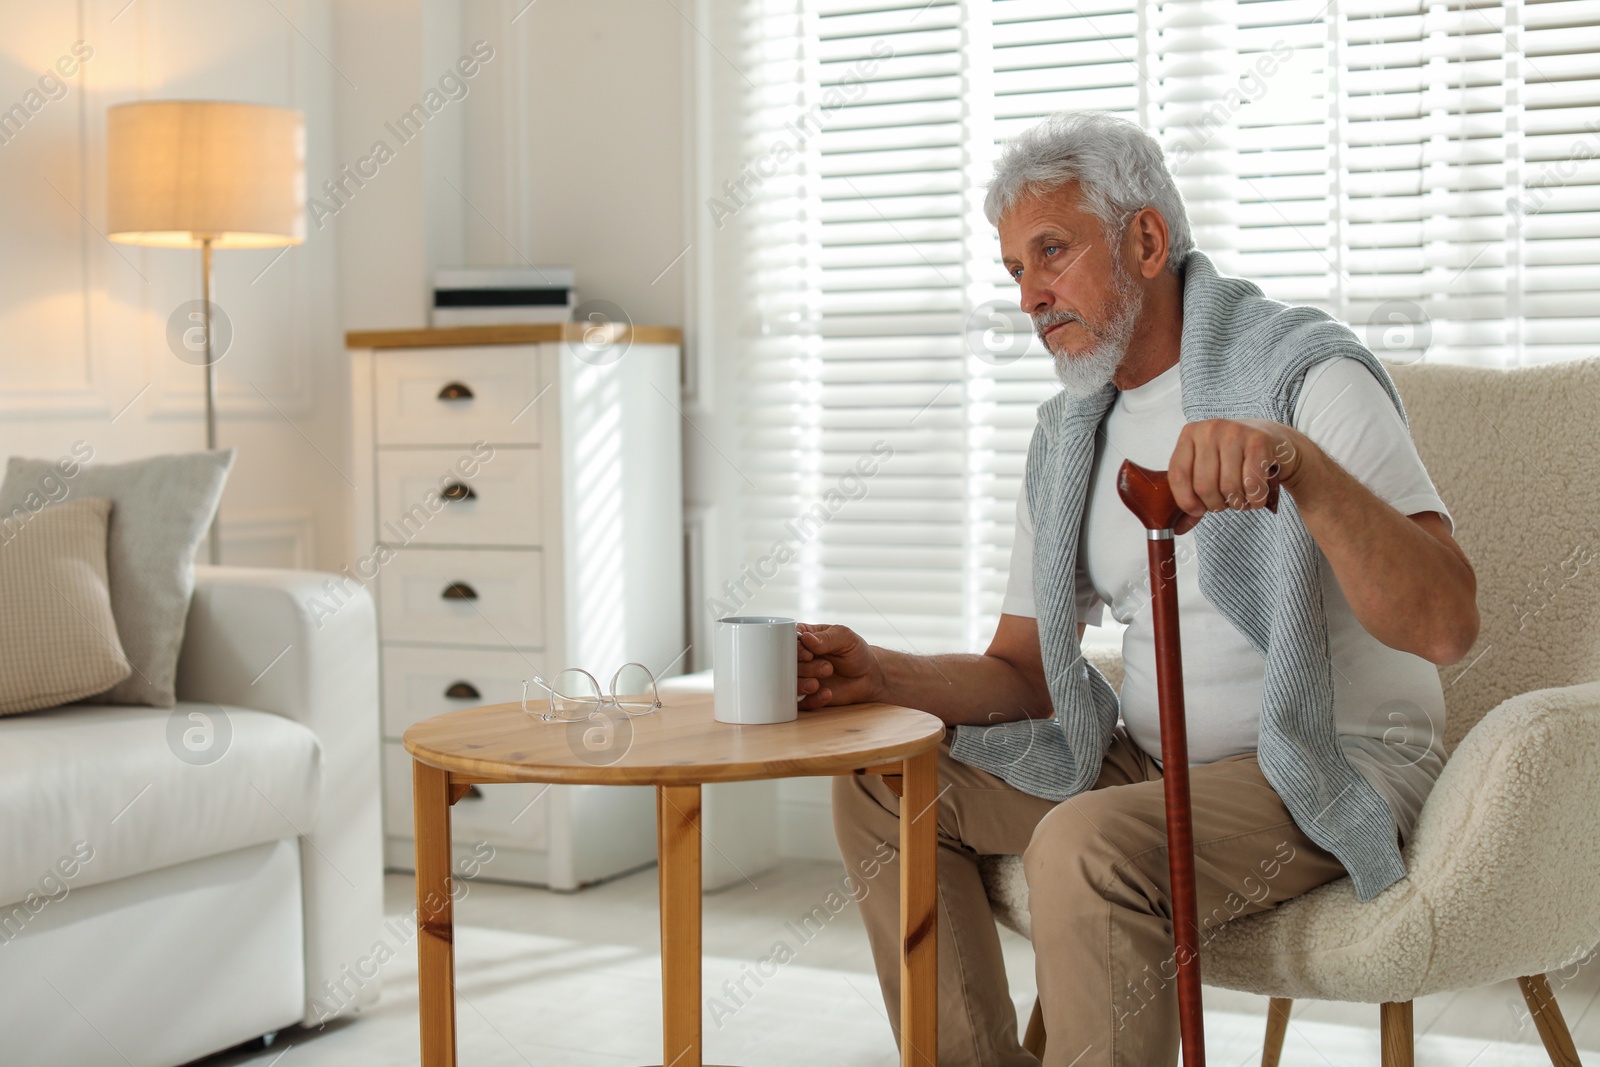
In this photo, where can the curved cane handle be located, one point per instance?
(1149, 497)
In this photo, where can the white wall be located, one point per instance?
(576, 154)
(83, 349)
(393, 228)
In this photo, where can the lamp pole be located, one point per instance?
(215, 545)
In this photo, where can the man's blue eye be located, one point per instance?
(1050, 250)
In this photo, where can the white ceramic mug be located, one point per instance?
(754, 670)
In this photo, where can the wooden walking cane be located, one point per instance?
(1149, 497)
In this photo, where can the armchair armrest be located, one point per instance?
(1503, 875)
(1507, 849)
(253, 640)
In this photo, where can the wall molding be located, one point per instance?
(79, 402)
(268, 539)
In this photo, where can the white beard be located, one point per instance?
(1087, 374)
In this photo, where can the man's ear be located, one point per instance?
(1149, 242)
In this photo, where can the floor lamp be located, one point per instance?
(205, 174)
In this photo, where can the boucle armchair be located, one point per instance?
(1503, 869)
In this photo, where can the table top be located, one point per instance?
(679, 744)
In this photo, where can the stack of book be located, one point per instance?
(492, 296)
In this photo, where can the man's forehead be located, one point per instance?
(1039, 212)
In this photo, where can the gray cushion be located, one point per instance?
(58, 640)
(161, 508)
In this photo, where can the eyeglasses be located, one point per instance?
(574, 695)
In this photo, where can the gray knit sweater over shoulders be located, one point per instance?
(1242, 356)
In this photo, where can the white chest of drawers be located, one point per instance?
(518, 510)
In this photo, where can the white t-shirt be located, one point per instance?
(1388, 705)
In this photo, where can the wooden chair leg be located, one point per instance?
(1277, 1026)
(1399, 1043)
(1033, 1039)
(1547, 1017)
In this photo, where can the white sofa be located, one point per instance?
(182, 880)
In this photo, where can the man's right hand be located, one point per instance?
(836, 666)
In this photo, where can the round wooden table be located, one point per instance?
(676, 749)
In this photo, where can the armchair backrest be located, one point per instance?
(1516, 457)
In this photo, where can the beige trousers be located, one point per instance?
(1098, 889)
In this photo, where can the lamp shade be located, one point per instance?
(182, 170)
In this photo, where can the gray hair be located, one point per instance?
(1118, 166)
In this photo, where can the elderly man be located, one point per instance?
(1310, 635)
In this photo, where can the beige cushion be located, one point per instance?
(58, 639)
(162, 507)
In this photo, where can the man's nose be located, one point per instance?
(1036, 298)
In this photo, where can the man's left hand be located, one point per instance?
(1229, 464)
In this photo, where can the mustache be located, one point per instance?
(1046, 319)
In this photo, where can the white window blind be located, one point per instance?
(1429, 173)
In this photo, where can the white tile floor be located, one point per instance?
(573, 979)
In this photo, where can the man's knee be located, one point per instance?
(858, 796)
(1079, 846)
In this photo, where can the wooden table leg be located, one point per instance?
(436, 976)
(919, 901)
(678, 845)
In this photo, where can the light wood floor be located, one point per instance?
(573, 979)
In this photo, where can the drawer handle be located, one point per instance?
(455, 391)
(463, 691)
(459, 591)
(459, 491)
